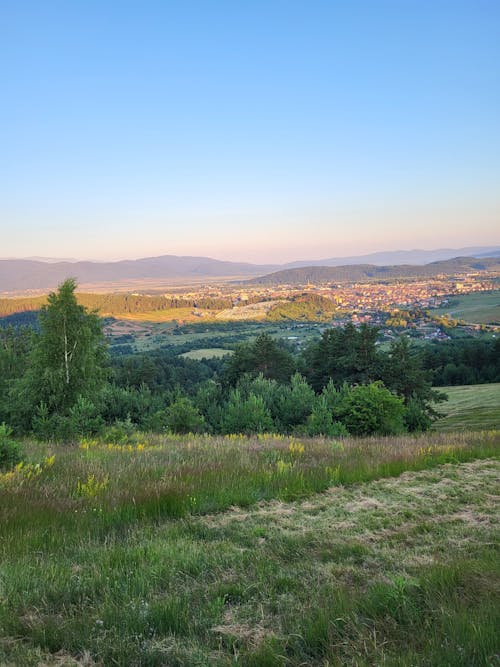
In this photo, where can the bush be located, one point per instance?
(10, 450)
(121, 431)
(372, 410)
(184, 417)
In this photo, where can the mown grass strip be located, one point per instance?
(399, 571)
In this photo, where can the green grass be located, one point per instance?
(150, 335)
(470, 407)
(475, 308)
(251, 551)
(207, 353)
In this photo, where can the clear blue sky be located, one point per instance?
(248, 129)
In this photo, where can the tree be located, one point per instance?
(372, 410)
(184, 417)
(344, 355)
(68, 359)
(321, 422)
(294, 403)
(263, 356)
(14, 352)
(246, 415)
(404, 375)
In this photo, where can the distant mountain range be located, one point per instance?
(393, 257)
(17, 275)
(25, 274)
(363, 272)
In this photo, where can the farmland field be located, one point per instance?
(251, 551)
(470, 407)
(478, 307)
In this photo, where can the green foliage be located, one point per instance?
(50, 426)
(263, 356)
(208, 400)
(84, 417)
(68, 358)
(184, 417)
(248, 415)
(120, 431)
(294, 403)
(10, 450)
(321, 422)
(416, 418)
(372, 410)
(69, 355)
(461, 362)
(15, 346)
(344, 355)
(307, 307)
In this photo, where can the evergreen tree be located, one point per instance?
(248, 415)
(263, 356)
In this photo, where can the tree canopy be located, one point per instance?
(68, 356)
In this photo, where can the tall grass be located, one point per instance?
(127, 554)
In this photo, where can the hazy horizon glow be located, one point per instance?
(263, 132)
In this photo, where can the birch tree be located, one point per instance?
(69, 355)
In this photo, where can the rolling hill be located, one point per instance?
(364, 272)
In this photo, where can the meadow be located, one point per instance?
(146, 335)
(476, 308)
(207, 353)
(163, 550)
(469, 407)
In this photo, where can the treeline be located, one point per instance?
(309, 307)
(117, 303)
(460, 361)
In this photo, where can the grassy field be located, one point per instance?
(251, 551)
(470, 407)
(477, 308)
(207, 353)
(146, 335)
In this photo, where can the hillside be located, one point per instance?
(469, 407)
(366, 272)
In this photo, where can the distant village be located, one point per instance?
(389, 305)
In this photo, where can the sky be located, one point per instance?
(256, 130)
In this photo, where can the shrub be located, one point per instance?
(372, 410)
(10, 450)
(120, 431)
(184, 417)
